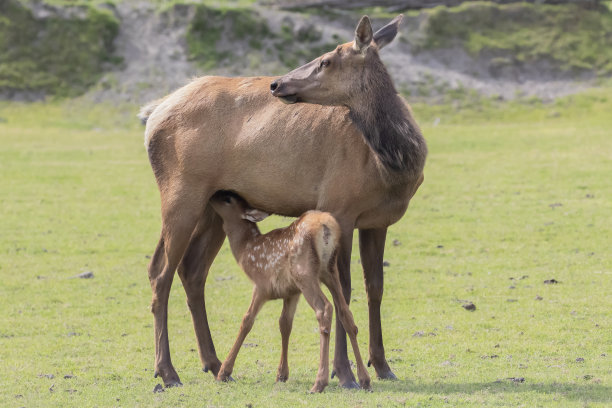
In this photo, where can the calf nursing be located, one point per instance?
(282, 264)
(348, 146)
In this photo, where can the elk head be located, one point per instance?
(335, 78)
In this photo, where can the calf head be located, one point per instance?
(231, 207)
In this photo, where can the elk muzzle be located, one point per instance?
(296, 84)
(280, 91)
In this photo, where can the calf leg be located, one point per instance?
(179, 217)
(324, 311)
(193, 270)
(286, 322)
(247, 324)
(372, 248)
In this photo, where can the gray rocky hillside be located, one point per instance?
(137, 50)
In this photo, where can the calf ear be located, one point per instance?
(386, 34)
(254, 215)
(363, 35)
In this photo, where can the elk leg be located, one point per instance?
(178, 221)
(372, 248)
(247, 324)
(161, 282)
(324, 311)
(342, 367)
(346, 317)
(285, 323)
(193, 270)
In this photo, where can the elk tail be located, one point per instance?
(148, 109)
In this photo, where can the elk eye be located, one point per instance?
(228, 200)
(324, 63)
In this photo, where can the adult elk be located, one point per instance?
(350, 148)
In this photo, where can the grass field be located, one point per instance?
(514, 195)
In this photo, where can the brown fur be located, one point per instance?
(282, 264)
(352, 149)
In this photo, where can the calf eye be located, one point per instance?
(324, 63)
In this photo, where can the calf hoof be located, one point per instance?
(365, 384)
(317, 387)
(282, 378)
(225, 377)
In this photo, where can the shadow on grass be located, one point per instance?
(583, 392)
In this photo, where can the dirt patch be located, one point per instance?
(152, 46)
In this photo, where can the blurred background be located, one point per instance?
(448, 50)
(514, 99)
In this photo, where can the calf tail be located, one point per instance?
(327, 238)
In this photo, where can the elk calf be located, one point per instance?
(282, 264)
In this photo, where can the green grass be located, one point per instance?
(571, 37)
(513, 195)
(209, 25)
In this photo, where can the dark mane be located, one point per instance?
(385, 121)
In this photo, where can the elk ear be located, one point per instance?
(386, 34)
(254, 215)
(363, 35)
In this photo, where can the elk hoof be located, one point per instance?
(282, 378)
(369, 363)
(387, 375)
(350, 385)
(174, 383)
(345, 377)
(212, 368)
(170, 382)
(333, 374)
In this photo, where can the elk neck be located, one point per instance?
(386, 122)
